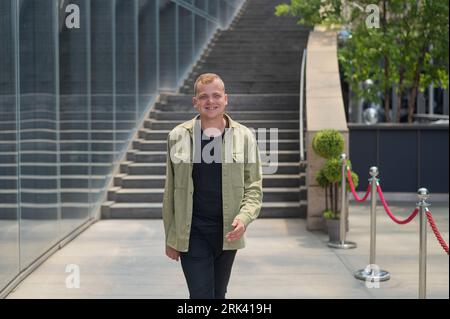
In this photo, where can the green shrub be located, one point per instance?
(332, 170)
(321, 179)
(328, 143)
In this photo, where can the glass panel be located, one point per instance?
(185, 56)
(9, 222)
(103, 102)
(201, 30)
(223, 13)
(200, 4)
(126, 71)
(74, 119)
(167, 46)
(213, 8)
(38, 130)
(148, 68)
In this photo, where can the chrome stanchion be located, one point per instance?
(422, 194)
(342, 243)
(372, 273)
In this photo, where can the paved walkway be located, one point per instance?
(125, 259)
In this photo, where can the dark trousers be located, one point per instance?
(206, 267)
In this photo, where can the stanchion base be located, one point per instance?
(342, 244)
(372, 275)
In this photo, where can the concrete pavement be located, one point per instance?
(125, 259)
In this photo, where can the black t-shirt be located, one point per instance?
(207, 215)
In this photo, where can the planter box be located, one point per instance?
(333, 228)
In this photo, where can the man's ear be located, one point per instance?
(194, 102)
(226, 99)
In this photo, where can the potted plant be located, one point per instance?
(329, 144)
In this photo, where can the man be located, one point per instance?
(213, 191)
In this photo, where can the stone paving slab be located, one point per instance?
(125, 259)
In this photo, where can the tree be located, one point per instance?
(407, 51)
(329, 144)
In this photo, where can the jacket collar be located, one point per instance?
(189, 125)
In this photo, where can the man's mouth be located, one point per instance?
(210, 108)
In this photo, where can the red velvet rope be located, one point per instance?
(352, 188)
(388, 211)
(436, 231)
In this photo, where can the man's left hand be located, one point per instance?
(239, 230)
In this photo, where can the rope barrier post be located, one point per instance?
(342, 243)
(423, 195)
(372, 273)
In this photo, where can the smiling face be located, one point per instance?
(210, 100)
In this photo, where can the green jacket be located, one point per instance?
(241, 181)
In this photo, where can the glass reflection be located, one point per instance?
(74, 128)
(9, 223)
(39, 167)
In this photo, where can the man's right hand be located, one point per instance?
(172, 253)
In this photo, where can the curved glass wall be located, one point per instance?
(76, 79)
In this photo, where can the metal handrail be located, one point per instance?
(301, 106)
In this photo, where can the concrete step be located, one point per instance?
(146, 157)
(293, 107)
(267, 32)
(284, 42)
(147, 134)
(216, 51)
(252, 36)
(269, 65)
(133, 168)
(155, 195)
(240, 57)
(298, 45)
(237, 116)
(284, 194)
(112, 210)
(294, 76)
(286, 180)
(283, 168)
(140, 181)
(168, 125)
(144, 145)
(160, 157)
(161, 135)
(253, 88)
(238, 100)
(154, 210)
(158, 181)
(283, 210)
(136, 195)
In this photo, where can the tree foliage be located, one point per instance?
(407, 50)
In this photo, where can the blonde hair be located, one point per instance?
(207, 78)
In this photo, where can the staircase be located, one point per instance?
(258, 58)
